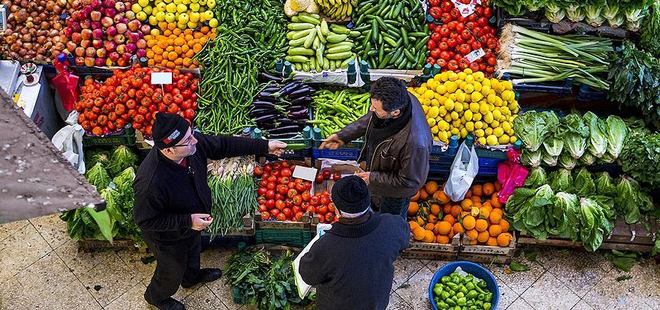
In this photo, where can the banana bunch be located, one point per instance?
(293, 7)
(337, 9)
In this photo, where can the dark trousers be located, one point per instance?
(176, 262)
(396, 206)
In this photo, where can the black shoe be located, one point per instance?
(205, 275)
(169, 304)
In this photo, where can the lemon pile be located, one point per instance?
(468, 102)
(186, 13)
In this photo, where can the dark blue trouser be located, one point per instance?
(396, 206)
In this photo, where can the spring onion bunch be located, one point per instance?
(233, 193)
(534, 57)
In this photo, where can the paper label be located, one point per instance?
(305, 173)
(3, 17)
(474, 55)
(466, 9)
(161, 78)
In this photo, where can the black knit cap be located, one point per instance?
(169, 129)
(351, 195)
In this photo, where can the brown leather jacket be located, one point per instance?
(400, 164)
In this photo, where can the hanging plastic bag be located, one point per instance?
(69, 141)
(511, 174)
(463, 170)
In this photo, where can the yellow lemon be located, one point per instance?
(448, 117)
(474, 107)
(431, 121)
(476, 96)
(488, 117)
(420, 90)
(505, 111)
(495, 124)
(513, 106)
(504, 139)
(432, 84)
(435, 102)
(508, 95)
(488, 131)
(468, 115)
(443, 136)
(425, 108)
(469, 79)
(451, 87)
(477, 86)
(477, 116)
(433, 112)
(482, 140)
(171, 8)
(468, 89)
(469, 126)
(457, 123)
(513, 139)
(454, 115)
(136, 8)
(441, 89)
(507, 85)
(443, 125)
(455, 131)
(458, 107)
(483, 107)
(461, 97)
(485, 90)
(495, 84)
(479, 132)
(497, 114)
(442, 111)
(452, 76)
(213, 23)
(449, 104)
(479, 125)
(506, 126)
(467, 71)
(479, 76)
(434, 129)
(491, 140)
(498, 132)
(461, 76)
(464, 132)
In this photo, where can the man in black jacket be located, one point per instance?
(397, 145)
(173, 201)
(351, 266)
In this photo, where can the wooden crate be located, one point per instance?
(485, 253)
(304, 224)
(92, 245)
(434, 251)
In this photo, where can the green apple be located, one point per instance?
(161, 7)
(210, 4)
(153, 20)
(170, 18)
(148, 9)
(194, 7)
(171, 8)
(183, 18)
(202, 2)
(192, 25)
(136, 8)
(213, 23)
(160, 16)
(181, 8)
(143, 3)
(194, 17)
(207, 15)
(141, 16)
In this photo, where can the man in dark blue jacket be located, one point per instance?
(351, 266)
(173, 201)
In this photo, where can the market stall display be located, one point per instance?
(185, 14)
(175, 48)
(335, 109)
(282, 110)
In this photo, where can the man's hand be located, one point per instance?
(276, 147)
(332, 142)
(364, 176)
(200, 221)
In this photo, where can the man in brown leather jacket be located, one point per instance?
(397, 145)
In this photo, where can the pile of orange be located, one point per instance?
(433, 218)
(175, 48)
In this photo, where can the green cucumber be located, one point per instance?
(310, 38)
(339, 29)
(339, 56)
(300, 51)
(299, 26)
(339, 49)
(336, 38)
(298, 59)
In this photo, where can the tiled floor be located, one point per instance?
(40, 268)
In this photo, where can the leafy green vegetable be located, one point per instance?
(641, 157)
(594, 224)
(616, 136)
(584, 184)
(649, 39)
(531, 158)
(518, 267)
(122, 157)
(604, 184)
(98, 176)
(575, 138)
(531, 128)
(531, 215)
(96, 156)
(593, 12)
(561, 180)
(597, 134)
(607, 204)
(536, 177)
(566, 214)
(622, 261)
(626, 201)
(548, 160)
(587, 159)
(635, 77)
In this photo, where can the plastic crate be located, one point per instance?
(303, 138)
(349, 151)
(126, 136)
(586, 94)
(291, 237)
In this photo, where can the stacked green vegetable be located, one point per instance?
(316, 46)
(640, 157)
(232, 192)
(393, 33)
(570, 141)
(534, 57)
(333, 110)
(635, 78)
(257, 280)
(112, 175)
(250, 38)
(649, 39)
(462, 290)
(594, 12)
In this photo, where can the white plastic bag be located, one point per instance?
(69, 141)
(463, 170)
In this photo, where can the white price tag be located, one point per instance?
(3, 17)
(161, 78)
(466, 9)
(305, 173)
(474, 55)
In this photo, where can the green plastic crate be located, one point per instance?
(126, 136)
(291, 237)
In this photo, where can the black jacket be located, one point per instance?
(399, 164)
(166, 193)
(351, 266)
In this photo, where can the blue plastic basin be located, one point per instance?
(471, 268)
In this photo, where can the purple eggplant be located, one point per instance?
(270, 77)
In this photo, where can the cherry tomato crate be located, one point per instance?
(435, 251)
(126, 136)
(296, 234)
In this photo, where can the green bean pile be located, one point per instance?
(232, 193)
(333, 110)
(250, 38)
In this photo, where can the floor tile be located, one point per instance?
(52, 228)
(20, 250)
(434, 265)
(134, 261)
(7, 229)
(66, 297)
(47, 272)
(78, 261)
(214, 258)
(507, 296)
(109, 280)
(550, 293)
(397, 303)
(203, 298)
(223, 291)
(405, 268)
(520, 304)
(582, 305)
(13, 296)
(580, 271)
(646, 280)
(415, 290)
(133, 299)
(634, 293)
(518, 281)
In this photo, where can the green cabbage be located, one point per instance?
(607, 204)
(531, 129)
(98, 176)
(549, 160)
(594, 224)
(530, 158)
(536, 178)
(554, 141)
(122, 157)
(597, 134)
(530, 212)
(95, 157)
(566, 161)
(568, 222)
(575, 138)
(587, 159)
(616, 135)
(561, 180)
(605, 185)
(584, 184)
(626, 202)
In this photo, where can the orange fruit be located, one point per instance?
(481, 225)
(431, 187)
(504, 239)
(418, 234)
(444, 227)
(477, 190)
(476, 199)
(492, 241)
(442, 239)
(413, 199)
(429, 226)
(429, 237)
(498, 186)
(495, 202)
(494, 230)
(458, 228)
(455, 211)
(449, 218)
(413, 207)
(420, 220)
(435, 209)
(483, 237)
(505, 225)
(472, 234)
(488, 189)
(484, 212)
(441, 197)
(423, 195)
(413, 225)
(472, 242)
(466, 204)
(432, 219)
(468, 194)
(446, 209)
(469, 222)
(495, 216)
(197, 48)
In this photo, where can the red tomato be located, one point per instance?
(287, 212)
(305, 196)
(436, 37)
(262, 191)
(329, 217)
(314, 201)
(265, 216)
(283, 180)
(286, 172)
(441, 62)
(189, 114)
(474, 66)
(336, 176)
(270, 203)
(299, 216)
(430, 60)
(292, 193)
(281, 217)
(431, 44)
(300, 187)
(282, 189)
(257, 171)
(324, 200)
(271, 185)
(280, 204)
(491, 61)
(435, 53)
(443, 46)
(322, 210)
(319, 179)
(262, 208)
(435, 12)
(331, 207)
(297, 200)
